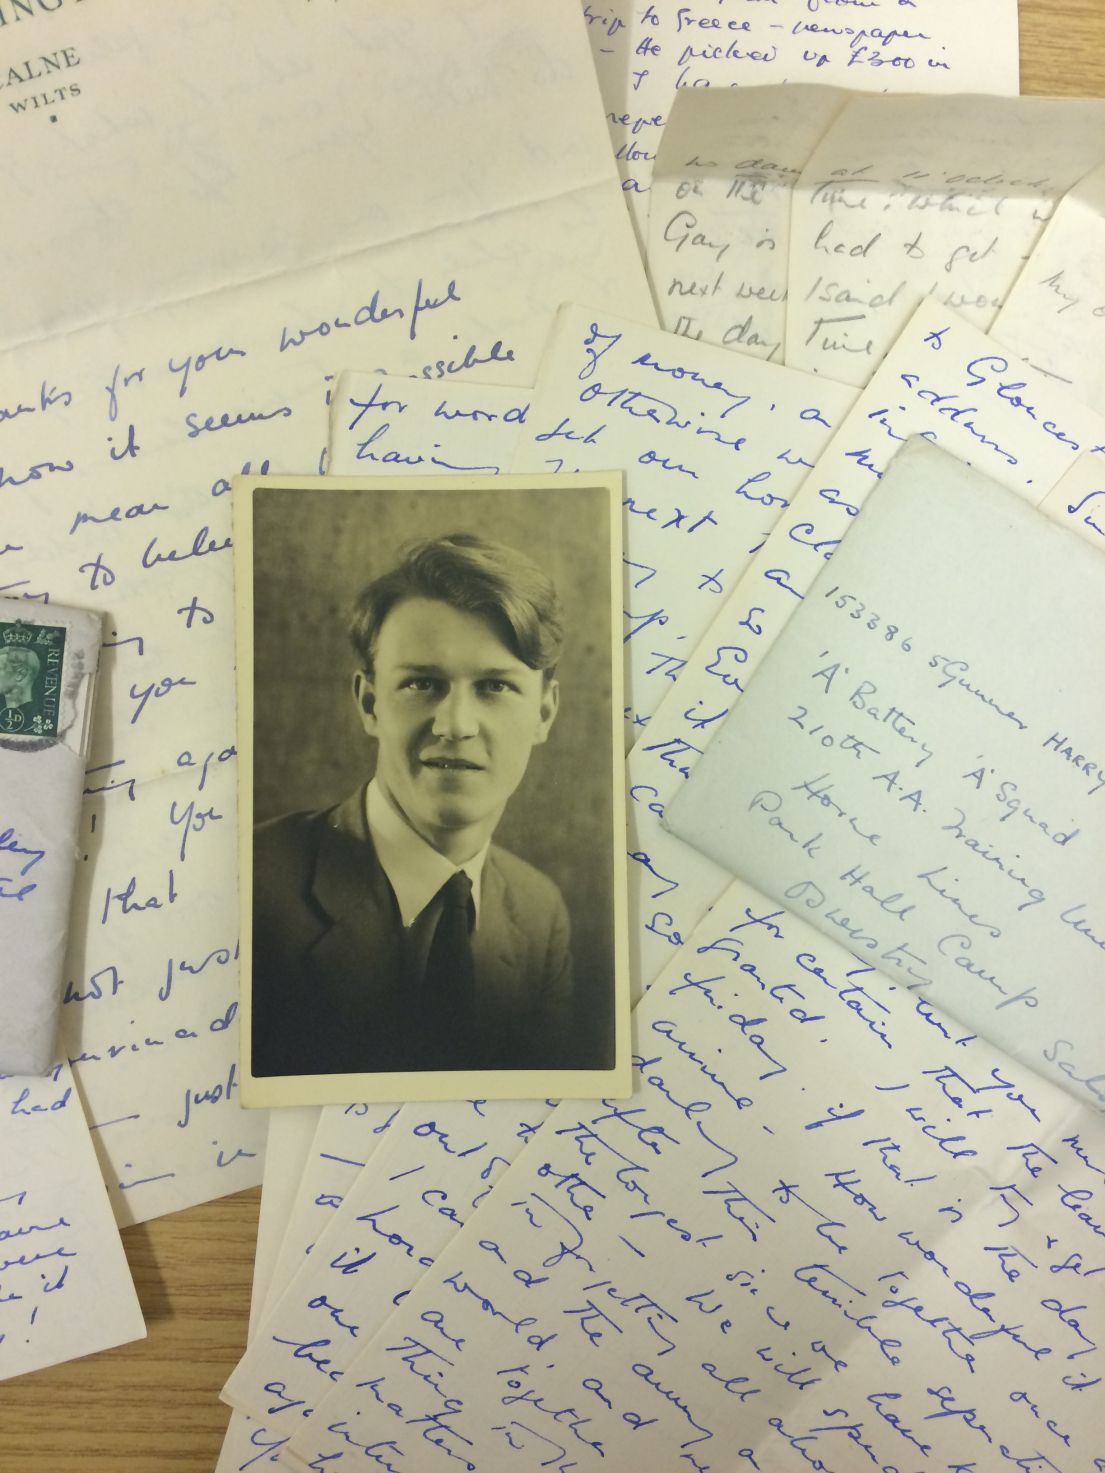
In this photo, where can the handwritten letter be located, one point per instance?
(436, 1164)
(346, 1138)
(908, 197)
(714, 447)
(395, 426)
(829, 1225)
(719, 219)
(298, 1197)
(645, 52)
(1055, 313)
(65, 1288)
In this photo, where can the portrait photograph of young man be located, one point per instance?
(436, 809)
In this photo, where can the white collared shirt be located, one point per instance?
(415, 870)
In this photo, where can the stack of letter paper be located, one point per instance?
(642, 839)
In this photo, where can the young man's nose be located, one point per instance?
(456, 715)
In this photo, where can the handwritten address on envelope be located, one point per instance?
(918, 765)
(944, 380)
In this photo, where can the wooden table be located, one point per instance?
(153, 1407)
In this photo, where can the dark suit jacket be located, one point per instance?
(329, 990)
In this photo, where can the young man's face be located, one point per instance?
(455, 714)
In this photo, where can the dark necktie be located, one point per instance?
(450, 973)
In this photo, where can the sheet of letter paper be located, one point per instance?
(119, 443)
(907, 197)
(171, 119)
(644, 53)
(830, 1228)
(48, 662)
(944, 380)
(1078, 499)
(426, 1180)
(346, 1138)
(1055, 314)
(65, 1288)
(719, 214)
(287, 1147)
(287, 1144)
(297, 1196)
(919, 766)
(713, 446)
(399, 426)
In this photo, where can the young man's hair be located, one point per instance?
(476, 576)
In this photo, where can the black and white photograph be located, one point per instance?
(432, 802)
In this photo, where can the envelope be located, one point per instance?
(48, 660)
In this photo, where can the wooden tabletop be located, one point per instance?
(153, 1407)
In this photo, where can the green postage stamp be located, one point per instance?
(31, 660)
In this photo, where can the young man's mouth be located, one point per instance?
(451, 764)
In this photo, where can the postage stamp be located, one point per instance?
(31, 660)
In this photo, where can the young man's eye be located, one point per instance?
(420, 684)
(496, 687)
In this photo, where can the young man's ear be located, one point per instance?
(364, 698)
(546, 715)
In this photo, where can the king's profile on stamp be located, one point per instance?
(30, 678)
(18, 668)
(390, 932)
